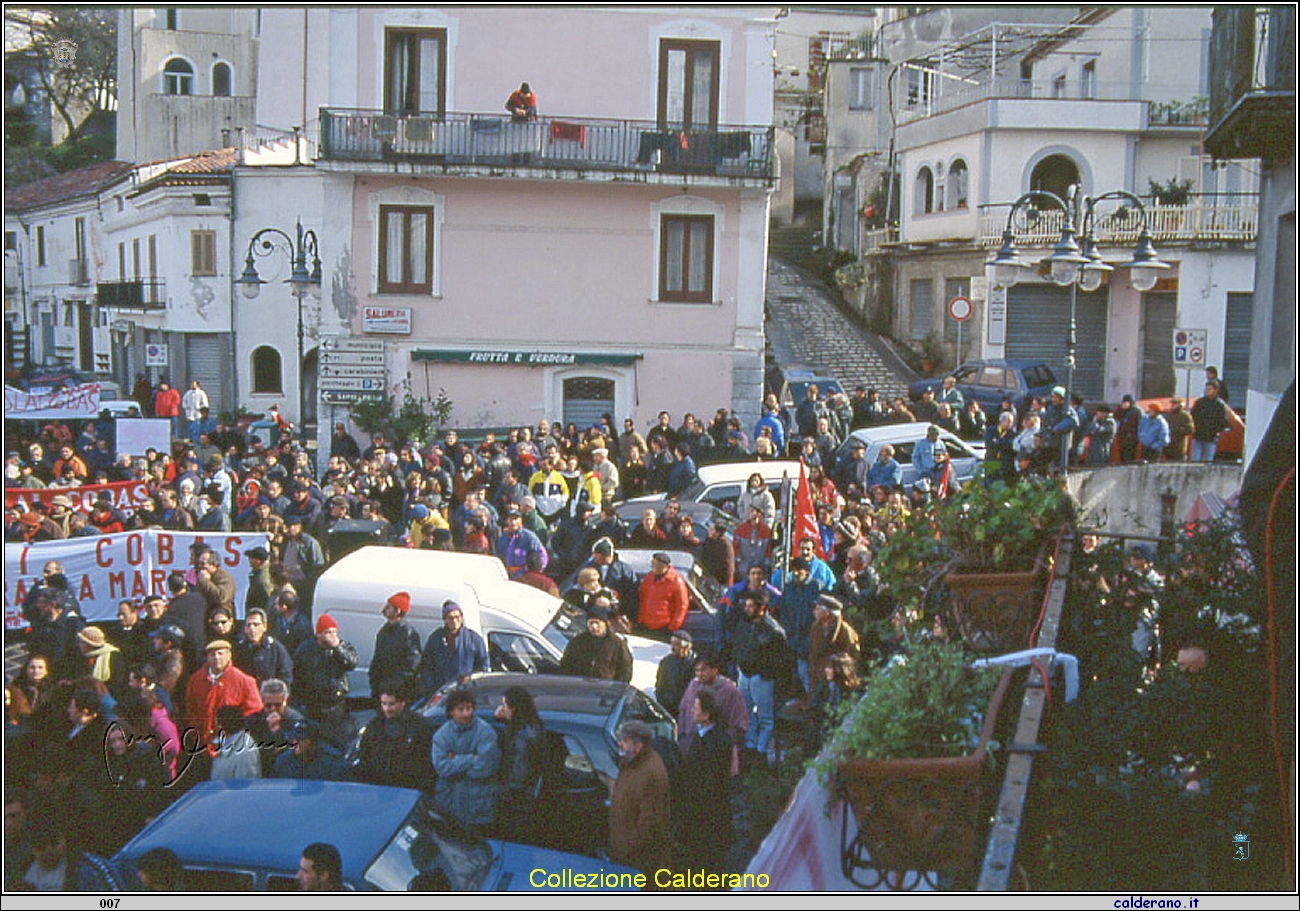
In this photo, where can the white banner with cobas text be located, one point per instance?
(104, 570)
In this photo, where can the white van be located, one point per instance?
(526, 629)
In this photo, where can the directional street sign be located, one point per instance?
(351, 369)
(338, 343)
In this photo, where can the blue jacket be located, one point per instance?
(794, 610)
(514, 550)
(1153, 432)
(467, 786)
(441, 663)
(887, 474)
(923, 456)
(773, 421)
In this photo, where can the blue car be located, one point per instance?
(248, 835)
(987, 381)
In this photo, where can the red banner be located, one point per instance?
(126, 495)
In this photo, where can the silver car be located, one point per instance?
(965, 456)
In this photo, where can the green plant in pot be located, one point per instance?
(910, 758)
(999, 541)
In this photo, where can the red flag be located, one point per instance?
(805, 518)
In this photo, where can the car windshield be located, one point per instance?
(428, 842)
(636, 707)
(799, 391)
(707, 585)
(567, 623)
(1039, 375)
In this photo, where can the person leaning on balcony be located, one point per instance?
(522, 104)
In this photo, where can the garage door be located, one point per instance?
(586, 399)
(205, 361)
(1038, 322)
(1159, 314)
(1237, 324)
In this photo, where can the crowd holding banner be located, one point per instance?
(107, 569)
(125, 496)
(58, 405)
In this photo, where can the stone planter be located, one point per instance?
(919, 815)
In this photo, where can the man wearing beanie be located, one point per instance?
(451, 653)
(599, 652)
(321, 668)
(397, 646)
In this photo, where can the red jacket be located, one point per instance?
(167, 403)
(203, 697)
(664, 600)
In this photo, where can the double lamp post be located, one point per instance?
(1073, 264)
(303, 283)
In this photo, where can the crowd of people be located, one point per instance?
(271, 699)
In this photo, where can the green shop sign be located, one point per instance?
(522, 358)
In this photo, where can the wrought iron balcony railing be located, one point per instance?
(138, 294)
(561, 144)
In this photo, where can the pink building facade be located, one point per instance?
(608, 256)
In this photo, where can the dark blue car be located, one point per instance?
(248, 835)
(987, 381)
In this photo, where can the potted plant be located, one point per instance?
(999, 541)
(909, 762)
(931, 352)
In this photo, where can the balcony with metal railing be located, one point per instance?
(137, 294)
(1252, 81)
(929, 94)
(549, 143)
(1205, 218)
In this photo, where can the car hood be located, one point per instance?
(517, 863)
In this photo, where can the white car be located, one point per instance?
(965, 456)
(722, 484)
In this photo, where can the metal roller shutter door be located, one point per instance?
(1038, 321)
(1238, 322)
(205, 361)
(1159, 315)
(586, 399)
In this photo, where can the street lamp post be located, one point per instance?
(1073, 264)
(302, 283)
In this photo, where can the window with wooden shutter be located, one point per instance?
(203, 252)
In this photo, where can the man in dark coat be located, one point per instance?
(702, 796)
(676, 671)
(260, 586)
(397, 646)
(640, 807)
(291, 625)
(763, 656)
(189, 610)
(451, 653)
(56, 637)
(321, 665)
(396, 746)
(261, 655)
(598, 652)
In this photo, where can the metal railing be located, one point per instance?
(137, 294)
(581, 144)
(935, 93)
(1207, 218)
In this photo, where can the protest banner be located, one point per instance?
(107, 569)
(125, 495)
(59, 405)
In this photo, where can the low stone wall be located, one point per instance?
(1125, 499)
